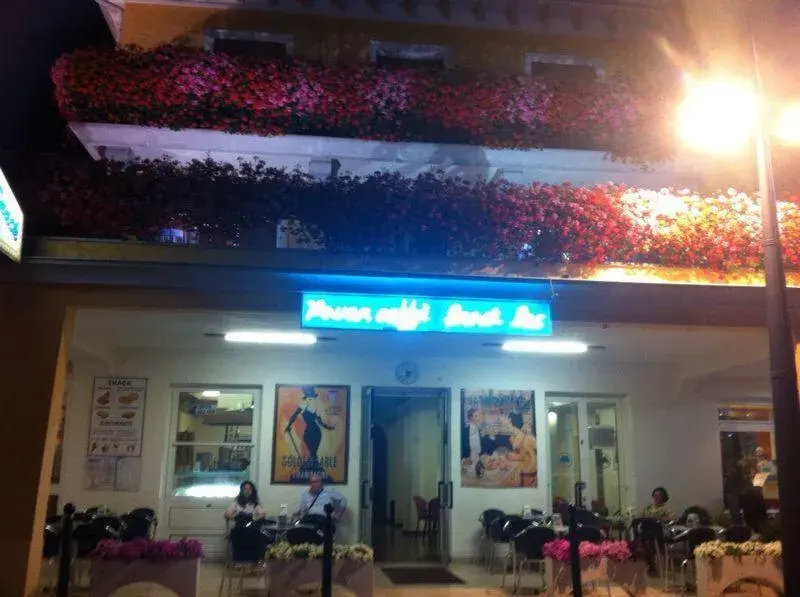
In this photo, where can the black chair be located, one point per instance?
(304, 534)
(650, 533)
(514, 526)
(702, 514)
(143, 512)
(527, 548)
(689, 541)
(737, 534)
(50, 551)
(246, 548)
(589, 533)
(312, 520)
(134, 527)
(87, 536)
(486, 519)
(242, 520)
(433, 516)
(81, 518)
(500, 532)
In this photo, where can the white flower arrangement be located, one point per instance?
(715, 550)
(285, 552)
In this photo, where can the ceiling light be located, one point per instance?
(211, 394)
(266, 337)
(545, 346)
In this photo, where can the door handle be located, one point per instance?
(441, 492)
(450, 495)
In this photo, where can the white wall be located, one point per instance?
(666, 439)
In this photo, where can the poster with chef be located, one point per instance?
(117, 418)
(498, 439)
(311, 434)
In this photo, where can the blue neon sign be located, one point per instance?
(424, 314)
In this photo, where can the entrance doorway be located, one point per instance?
(583, 442)
(406, 493)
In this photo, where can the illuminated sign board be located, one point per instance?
(10, 222)
(424, 314)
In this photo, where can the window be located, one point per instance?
(747, 444)
(214, 443)
(564, 66)
(397, 55)
(257, 44)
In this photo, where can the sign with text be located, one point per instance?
(423, 314)
(117, 416)
(10, 221)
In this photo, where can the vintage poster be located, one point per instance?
(311, 434)
(99, 473)
(117, 417)
(498, 439)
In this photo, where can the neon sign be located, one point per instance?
(424, 314)
(10, 222)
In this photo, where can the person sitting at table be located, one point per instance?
(317, 496)
(658, 509)
(246, 505)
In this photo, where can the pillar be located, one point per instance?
(35, 334)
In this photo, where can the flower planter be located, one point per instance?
(714, 575)
(630, 575)
(287, 577)
(182, 577)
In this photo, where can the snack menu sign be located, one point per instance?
(10, 221)
(117, 416)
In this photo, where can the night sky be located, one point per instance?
(33, 33)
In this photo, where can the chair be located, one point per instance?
(88, 536)
(689, 541)
(304, 534)
(737, 534)
(422, 513)
(702, 514)
(591, 534)
(245, 557)
(313, 520)
(527, 549)
(650, 532)
(434, 511)
(50, 551)
(499, 533)
(144, 512)
(486, 518)
(134, 527)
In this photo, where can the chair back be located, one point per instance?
(589, 533)
(313, 520)
(737, 534)
(247, 545)
(421, 505)
(242, 519)
(702, 514)
(531, 541)
(514, 526)
(110, 525)
(52, 542)
(588, 519)
(80, 518)
(304, 534)
(134, 527)
(487, 517)
(434, 506)
(87, 536)
(698, 536)
(143, 513)
(648, 529)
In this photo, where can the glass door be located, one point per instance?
(446, 491)
(367, 449)
(583, 447)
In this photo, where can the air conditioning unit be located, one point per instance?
(602, 437)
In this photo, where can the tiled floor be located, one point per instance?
(478, 583)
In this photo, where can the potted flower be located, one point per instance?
(293, 567)
(609, 561)
(174, 565)
(721, 564)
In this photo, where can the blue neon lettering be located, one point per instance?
(525, 320)
(405, 318)
(457, 317)
(320, 309)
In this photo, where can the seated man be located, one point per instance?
(317, 496)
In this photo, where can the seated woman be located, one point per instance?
(658, 509)
(246, 505)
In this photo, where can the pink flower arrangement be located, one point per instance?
(151, 550)
(182, 88)
(618, 551)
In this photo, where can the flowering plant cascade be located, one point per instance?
(430, 215)
(617, 551)
(149, 549)
(715, 550)
(285, 552)
(180, 88)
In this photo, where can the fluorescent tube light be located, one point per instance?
(266, 337)
(211, 394)
(545, 346)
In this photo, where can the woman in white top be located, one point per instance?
(246, 503)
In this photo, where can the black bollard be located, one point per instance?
(574, 554)
(65, 563)
(327, 554)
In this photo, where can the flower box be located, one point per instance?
(286, 577)
(182, 577)
(630, 575)
(721, 564)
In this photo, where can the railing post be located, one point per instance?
(574, 554)
(327, 554)
(65, 563)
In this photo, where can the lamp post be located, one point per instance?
(746, 119)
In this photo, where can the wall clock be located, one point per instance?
(407, 372)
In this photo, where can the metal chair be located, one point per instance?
(650, 532)
(50, 552)
(245, 557)
(691, 539)
(590, 534)
(500, 532)
(737, 534)
(486, 518)
(134, 527)
(526, 549)
(304, 534)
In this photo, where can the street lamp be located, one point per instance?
(723, 116)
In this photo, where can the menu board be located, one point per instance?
(117, 416)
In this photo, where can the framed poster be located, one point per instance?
(311, 434)
(117, 417)
(498, 439)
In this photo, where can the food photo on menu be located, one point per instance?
(498, 441)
